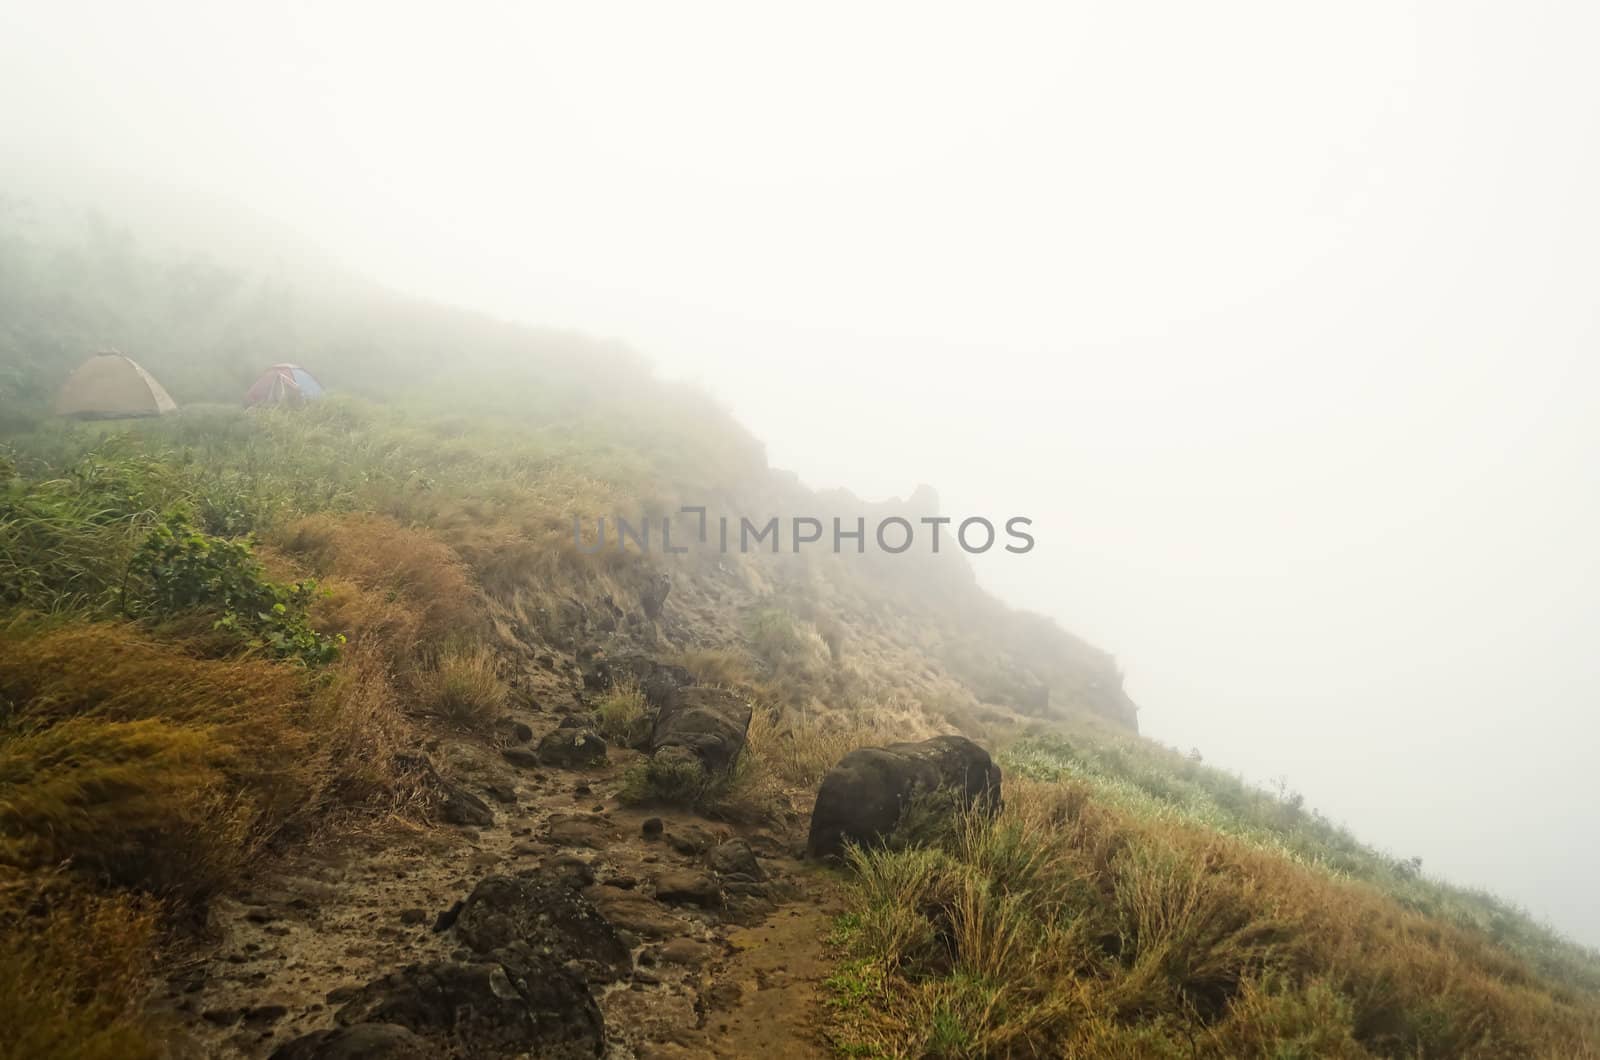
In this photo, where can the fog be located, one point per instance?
(1279, 320)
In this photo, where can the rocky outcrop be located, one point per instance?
(654, 595)
(488, 1010)
(865, 796)
(659, 681)
(545, 914)
(711, 723)
(359, 1041)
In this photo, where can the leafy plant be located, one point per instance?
(182, 568)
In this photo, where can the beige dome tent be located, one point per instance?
(109, 386)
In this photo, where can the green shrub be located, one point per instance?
(680, 780)
(180, 568)
(748, 793)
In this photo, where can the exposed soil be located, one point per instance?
(735, 972)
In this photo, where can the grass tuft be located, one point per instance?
(464, 687)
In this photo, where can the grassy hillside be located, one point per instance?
(1132, 902)
(228, 634)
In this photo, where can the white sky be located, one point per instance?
(1278, 318)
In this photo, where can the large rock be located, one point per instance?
(660, 682)
(864, 797)
(546, 914)
(710, 722)
(486, 1010)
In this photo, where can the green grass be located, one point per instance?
(622, 715)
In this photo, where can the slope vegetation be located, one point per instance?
(243, 645)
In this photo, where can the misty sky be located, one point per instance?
(1279, 319)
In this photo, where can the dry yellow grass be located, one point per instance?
(800, 746)
(398, 562)
(622, 714)
(719, 667)
(1075, 928)
(72, 972)
(464, 687)
(164, 770)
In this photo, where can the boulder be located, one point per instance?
(863, 798)
(572, 748)
(658, 681)
(485, 1009)
(548, 915)
(709, 722)
(359, 1041)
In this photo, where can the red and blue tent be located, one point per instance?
(283, 384)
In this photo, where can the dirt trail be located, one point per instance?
(739, 977)
(779, 966)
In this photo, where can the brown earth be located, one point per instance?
(277, 958)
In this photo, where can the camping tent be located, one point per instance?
(109, 386)
(283, 384)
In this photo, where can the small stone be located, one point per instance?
(447, 919)
(520, 757)
(572, 748)
(724, 995)
(502, 793)
(691, 845)
(517, 730)
(735, 857)
(572, 870)
(688, 888)
(686, 952)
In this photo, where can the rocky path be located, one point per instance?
(694, 938)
